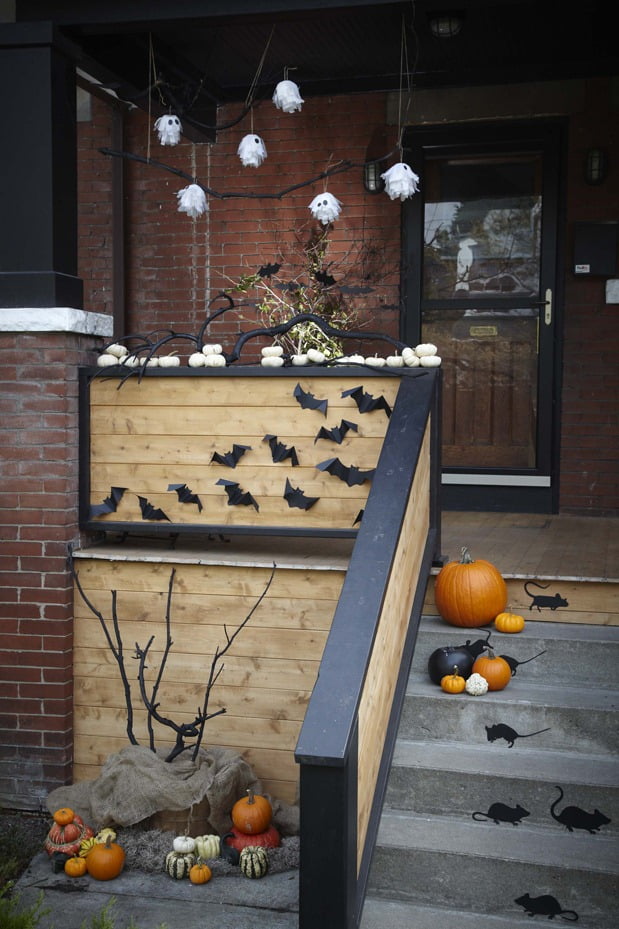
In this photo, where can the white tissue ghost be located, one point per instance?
(252, 151)
(464, 263)
(400, 181)
(192, 200)
(169, 129)
(325, 207)
(287, 97)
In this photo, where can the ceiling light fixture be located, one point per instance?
(446, 25)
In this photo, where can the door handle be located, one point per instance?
(548, 306)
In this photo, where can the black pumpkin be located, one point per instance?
(443, 660)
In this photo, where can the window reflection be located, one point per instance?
(482, 227)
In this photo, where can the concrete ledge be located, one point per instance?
(55, 319)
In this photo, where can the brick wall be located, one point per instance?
(38, 520)
(590, 423)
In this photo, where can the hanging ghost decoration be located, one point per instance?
(252, 151)
(400, 181)
(325, 207)
(169, 129)
(287, 97)
(192, 200)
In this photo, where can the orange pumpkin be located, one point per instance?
(75, 867)
(252, 814)
(200, 873)
(63, 816)
(270, 838)
(509, 622)
(106, 860)
(453, 683)
(494, 669)
(469, 593)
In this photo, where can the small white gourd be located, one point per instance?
(316, 357)
(430, 361)
(299, 360)
(169, 361)
(375, 362)
(214, 349)
(117, 349)
(411, 360)
(214, 361)
(106, 361)
(476, 685)
(272, 351)
(184, 844)
(425, 348)
(208, 846)
(395, 361)
(272, 361)
(196, 360)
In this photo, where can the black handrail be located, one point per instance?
(333, 877)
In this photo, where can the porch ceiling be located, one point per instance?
(208, 52)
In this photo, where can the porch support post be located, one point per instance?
(38, 169)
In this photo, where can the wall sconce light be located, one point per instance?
(372, 180)
(595, 166)
(446, 25)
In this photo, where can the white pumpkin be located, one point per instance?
(272, 361)
(430, 361)
(299, 360)
(214, 349)
(425, 348)
(184, 844)
(214, 361)
(316, 357)
(375, 362)
(272, 351)
(395, 361)
(197, 360)
(169, 361)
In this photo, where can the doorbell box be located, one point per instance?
(595, 249)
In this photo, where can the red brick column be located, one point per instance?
(38, 521)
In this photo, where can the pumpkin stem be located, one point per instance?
(455, 674)
(250, 795)
(465, 557)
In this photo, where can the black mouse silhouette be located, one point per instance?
(514, 664)
(572, 817)
(501, 731)
(541, 600)
(478, 646)
(501, 813)
(546, 905)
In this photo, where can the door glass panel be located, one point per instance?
(481, 280)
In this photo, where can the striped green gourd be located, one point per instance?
(178, 864)
(254, 861)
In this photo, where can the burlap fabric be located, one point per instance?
(136, 783)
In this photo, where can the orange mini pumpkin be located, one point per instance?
(252, 813)
(200, 873)
(494, 669)
(63, 816)
(453, 683)
(469, 593)
(75, 867)
(509, 622)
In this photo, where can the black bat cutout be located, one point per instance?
(338, 432)
(280, 452)
(296, 498)
(366, 403)
(185, 495)
(109, 505)
(151, 512)
(358, 517)
(236, 496)
(268, 269)
(308, 401)
(350, 475)
(231, 458)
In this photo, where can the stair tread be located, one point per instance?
(379, 913)
(544, 847)
(569, 767)
(534, 629)
(525, 693)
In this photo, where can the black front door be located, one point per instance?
(480, 282)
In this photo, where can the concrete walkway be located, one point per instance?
(156, 900)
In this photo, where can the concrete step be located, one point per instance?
(573, 653)
(483, 869)
(456, 779)
(383, 913)
(577, 719)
